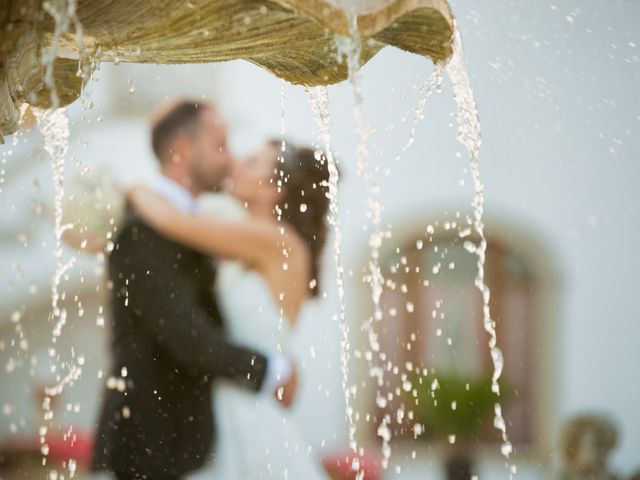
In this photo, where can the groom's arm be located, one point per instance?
(164, 299)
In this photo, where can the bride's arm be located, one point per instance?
(247, 241)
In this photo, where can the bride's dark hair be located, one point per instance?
(303, 175)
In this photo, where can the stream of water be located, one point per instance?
(469, 135)
(54, 126)
(319, 98)
(349, 49)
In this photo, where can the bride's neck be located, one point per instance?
(260, 210)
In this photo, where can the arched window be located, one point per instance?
(432, 337)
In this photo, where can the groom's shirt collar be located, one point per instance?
(175, 194)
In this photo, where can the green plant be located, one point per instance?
(452, 404)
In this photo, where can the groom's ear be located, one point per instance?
(181, 149)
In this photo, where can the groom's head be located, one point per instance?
(189, 140)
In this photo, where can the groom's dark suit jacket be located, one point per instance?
(168, 345)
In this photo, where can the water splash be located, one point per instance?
(350, 48)
(469, 136)
(319, 98)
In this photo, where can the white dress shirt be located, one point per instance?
(175, 194)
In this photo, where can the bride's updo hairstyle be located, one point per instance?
(303, 175)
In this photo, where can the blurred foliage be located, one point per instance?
(458, 405)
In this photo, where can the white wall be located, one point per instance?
(557, 90)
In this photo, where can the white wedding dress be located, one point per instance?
(256, 439)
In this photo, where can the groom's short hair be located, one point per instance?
(172, 120)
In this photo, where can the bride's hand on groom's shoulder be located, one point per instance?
(285, 393)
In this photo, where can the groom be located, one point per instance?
(168, 342)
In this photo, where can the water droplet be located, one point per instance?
(112, 383)
(10, 366)
(465, 232)
(506, 449)
(470, 246)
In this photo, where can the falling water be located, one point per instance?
(469, 136)
(433, 83)
(64, 14)
(280, 181)
(319, 98)
(350, 48)
(54, 126)
(3, 162)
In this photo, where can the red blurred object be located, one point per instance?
(77, 445)
(340, 466)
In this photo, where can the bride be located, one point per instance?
(270, 268)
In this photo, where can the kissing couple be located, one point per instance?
(203, 309)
